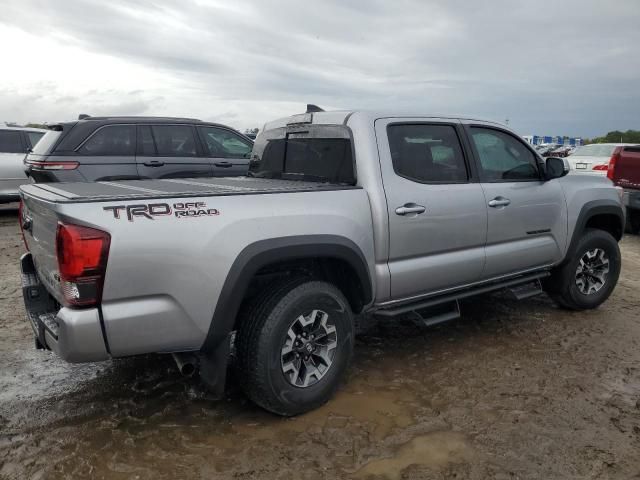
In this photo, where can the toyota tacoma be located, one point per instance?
(342, 214)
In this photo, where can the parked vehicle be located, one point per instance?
(541, 148)
(593, 158)
(117, 148)
(15, 142)
(624, 170)
(342, 214)
(545, 150)
(562, 151)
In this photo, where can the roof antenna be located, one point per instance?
(311, 108)
(82, 116)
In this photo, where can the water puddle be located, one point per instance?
(433, 450)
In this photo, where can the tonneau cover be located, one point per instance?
(171, 187)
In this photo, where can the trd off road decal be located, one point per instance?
(152, 210)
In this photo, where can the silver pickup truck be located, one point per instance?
(342, 214)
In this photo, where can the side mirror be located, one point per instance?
(556, 167)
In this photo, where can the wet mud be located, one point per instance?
(512, 390)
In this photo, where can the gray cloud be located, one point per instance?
(569, 68)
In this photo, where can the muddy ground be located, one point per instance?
(512, 390)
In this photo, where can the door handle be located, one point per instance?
(408, 208)
(499, 202)
(223, 164)
(153, 163)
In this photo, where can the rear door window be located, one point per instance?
(114, 140)
(223, 143)
(427, 153)
(174, 140)
(146, 144)
(10, 142)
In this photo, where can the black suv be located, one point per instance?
(118, 148)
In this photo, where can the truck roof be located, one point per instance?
(338, 117)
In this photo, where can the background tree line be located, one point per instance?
(630, 136)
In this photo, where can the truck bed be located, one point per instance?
(172, 187)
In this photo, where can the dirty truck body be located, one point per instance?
(344, 213)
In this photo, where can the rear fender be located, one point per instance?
(263, 253)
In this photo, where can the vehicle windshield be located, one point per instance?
(44, 145)
(594, 150)
(304, 152)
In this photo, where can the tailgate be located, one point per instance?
(40, 221)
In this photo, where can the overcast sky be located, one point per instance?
(550, 67)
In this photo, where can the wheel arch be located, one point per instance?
(605, 215)
(278, 251)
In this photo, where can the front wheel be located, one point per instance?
(294, 344)
(590, 276)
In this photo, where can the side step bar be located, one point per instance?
(521, 287)
(526, 290)
(438, 314)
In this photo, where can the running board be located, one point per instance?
(470, 292)
(520, 292)
(438, 314)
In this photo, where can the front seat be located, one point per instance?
(416, 161)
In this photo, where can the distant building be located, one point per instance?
(560, 140)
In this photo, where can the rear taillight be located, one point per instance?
(602, 167)
(612, 163)
(21, 221)
(40, 165)
(82, 260)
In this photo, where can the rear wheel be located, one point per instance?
(294, 344)
(590, 276)
(633, 221)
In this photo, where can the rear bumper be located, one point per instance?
(74, 335)
(631, 199)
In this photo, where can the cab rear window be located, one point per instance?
(315, 153)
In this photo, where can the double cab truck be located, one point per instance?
(342, 214)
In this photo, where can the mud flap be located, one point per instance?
(213, 367)
(39, 305)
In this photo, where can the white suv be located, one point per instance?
(15, 142)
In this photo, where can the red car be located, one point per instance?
(624, 170)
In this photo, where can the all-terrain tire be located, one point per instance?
(563, 286)
(263, 328)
